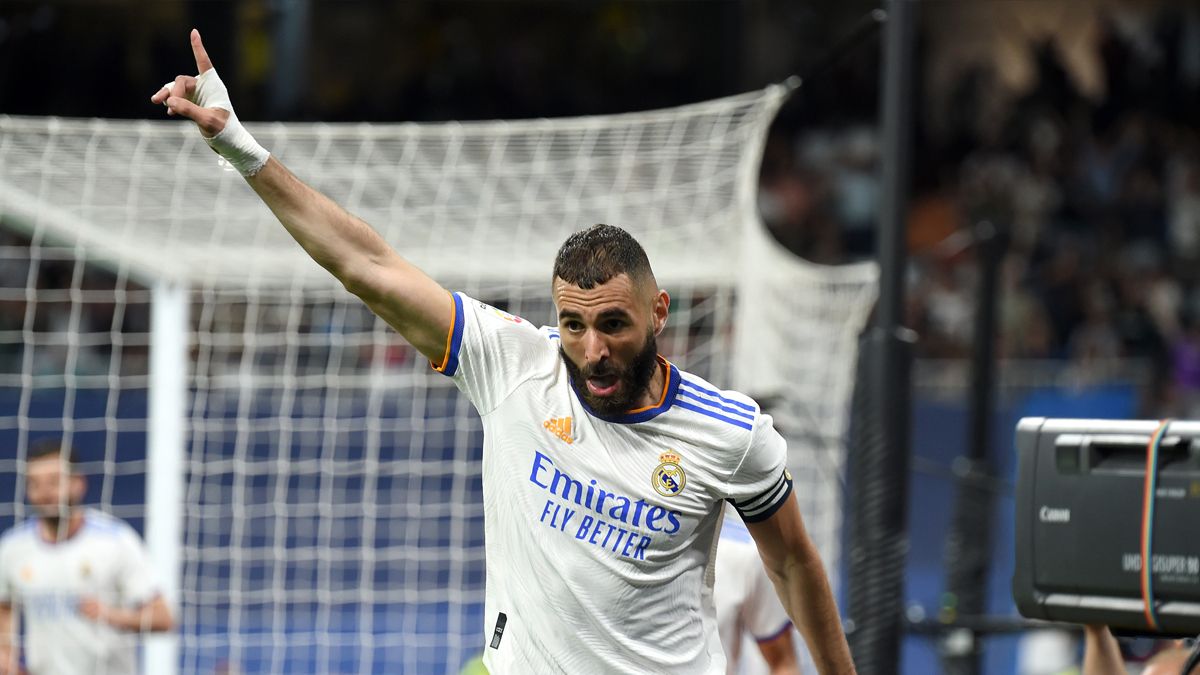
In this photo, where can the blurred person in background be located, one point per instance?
(82, 579)
(754, 627)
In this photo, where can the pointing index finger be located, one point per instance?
(203, 63)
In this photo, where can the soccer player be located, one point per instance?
(604, 468)
(749, 613)
(80, 578)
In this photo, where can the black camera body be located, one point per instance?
(1080, 490)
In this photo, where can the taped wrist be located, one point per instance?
(234, 144)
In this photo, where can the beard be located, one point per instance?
(57, 518)
(633, 379)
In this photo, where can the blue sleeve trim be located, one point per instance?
(787, 627)
(450, 366)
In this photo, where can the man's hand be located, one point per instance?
(180, 96)
(395, 289)
(204, 99)
(93, 609)
(152, 617)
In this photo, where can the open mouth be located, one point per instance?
(603, 385)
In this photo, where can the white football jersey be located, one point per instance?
(748, 609)
(600, 529)
(45, 581)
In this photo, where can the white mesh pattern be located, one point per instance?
(446, 194)
(72, 365)
(801, 354)
(333, 518)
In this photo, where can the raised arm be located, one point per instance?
(794, 565)
(396, 290)
(399, 292)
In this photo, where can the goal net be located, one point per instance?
(328, 516)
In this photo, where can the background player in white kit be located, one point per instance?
(604, 466)
(78, 579)
(755, 629)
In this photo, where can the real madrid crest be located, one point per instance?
(668, 479)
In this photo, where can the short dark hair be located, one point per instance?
(593, 256)
(52, 446)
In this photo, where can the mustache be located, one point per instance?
(602, 369)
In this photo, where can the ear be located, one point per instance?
(662, 306)
(78, 488)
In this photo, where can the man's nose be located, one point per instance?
(595, 347)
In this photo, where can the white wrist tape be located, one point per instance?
(234, 144)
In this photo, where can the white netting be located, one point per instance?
(800, 354)
(332, 518)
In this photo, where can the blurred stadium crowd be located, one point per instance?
(1098, 198)
(1096, 188)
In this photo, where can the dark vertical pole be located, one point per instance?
(895, 144)
(879, 455)
(969, 546)
(290, 47)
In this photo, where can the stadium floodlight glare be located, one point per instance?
(1080, 524)
(332, 516)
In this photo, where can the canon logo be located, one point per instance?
(1049, 515)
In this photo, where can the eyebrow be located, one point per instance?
(614, 313)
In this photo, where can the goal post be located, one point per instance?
(331, 513)
(166, 448)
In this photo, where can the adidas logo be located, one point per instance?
(561, 427)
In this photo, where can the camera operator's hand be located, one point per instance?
(1102, 656)
(1101, 653)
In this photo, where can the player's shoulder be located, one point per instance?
(724, 410)
(485, 312)
(493, 320)
(551, 334)
(105, 524)
(22, 531)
